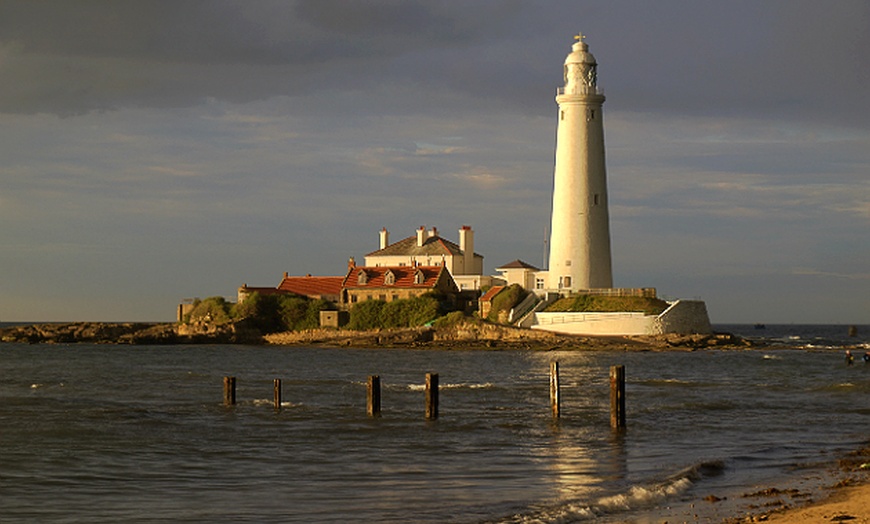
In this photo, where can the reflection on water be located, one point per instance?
(138, 434)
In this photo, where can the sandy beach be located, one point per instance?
(846, 501)
(849, 504)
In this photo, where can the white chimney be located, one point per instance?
(466, 245)
(385, 238)
(434, 232)
(421, 236)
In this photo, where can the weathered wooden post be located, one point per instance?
(617, 397)
(229, 391)
(373, 396)
(555, 399)
(431, 396)
(277, 386)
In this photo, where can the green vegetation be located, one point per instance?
(268, 313)
(275, 313)
(504, 301)
(451, 319)
(212, 309)
(594, 303)
(411, 312)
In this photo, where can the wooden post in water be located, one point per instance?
(229, 391)
(277, 386)
(555, 399)
(373, 396)
(617, 397)
(431, 396)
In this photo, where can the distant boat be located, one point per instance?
(760, 326)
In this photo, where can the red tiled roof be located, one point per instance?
(311, 286)
(493, 291)
(404, 276)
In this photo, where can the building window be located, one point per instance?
(382, 297)
(418, 277)
(353, 299)
(395, 296)
(566, 281)
(389, 278)
(362, 278)
(568, 263)
(539, 283)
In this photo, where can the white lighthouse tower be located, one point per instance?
(580, 224)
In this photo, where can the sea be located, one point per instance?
(113, 433)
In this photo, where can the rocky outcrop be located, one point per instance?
(463, 335)
(129, 333)
(484, 335)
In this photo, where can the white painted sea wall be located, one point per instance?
(681, 317)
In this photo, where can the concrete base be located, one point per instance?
(682, 317)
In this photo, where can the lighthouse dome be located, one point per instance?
(580, 54)
(580, 71)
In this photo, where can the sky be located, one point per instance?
(153, 151)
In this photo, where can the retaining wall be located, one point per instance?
(682, 317)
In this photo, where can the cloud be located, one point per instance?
(817, 273)
(202, 143)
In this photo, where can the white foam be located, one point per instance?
(460, 385)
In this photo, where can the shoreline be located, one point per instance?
(467, 335)
(847, 500)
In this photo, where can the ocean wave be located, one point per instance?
(259, 402)
(459, 385)
(635, 498)
(668, 382)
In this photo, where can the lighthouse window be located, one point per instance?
(562, 115)
(595, 199)
(566, 281)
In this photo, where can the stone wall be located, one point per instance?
(682, 317)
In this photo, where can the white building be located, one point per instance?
(579, 258)
(428, 248)
(580, 225)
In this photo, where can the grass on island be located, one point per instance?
(599, 304)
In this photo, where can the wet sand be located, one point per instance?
(846, 501)
(848, 504)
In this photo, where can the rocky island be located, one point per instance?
(464, 335)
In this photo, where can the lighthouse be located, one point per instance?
(580, 225)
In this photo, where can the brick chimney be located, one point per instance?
(433, 232)
(351, 263)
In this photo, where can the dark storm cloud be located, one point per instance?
(69, 57)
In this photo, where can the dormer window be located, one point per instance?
(418, 277)
(362, 278)
(389, 278)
